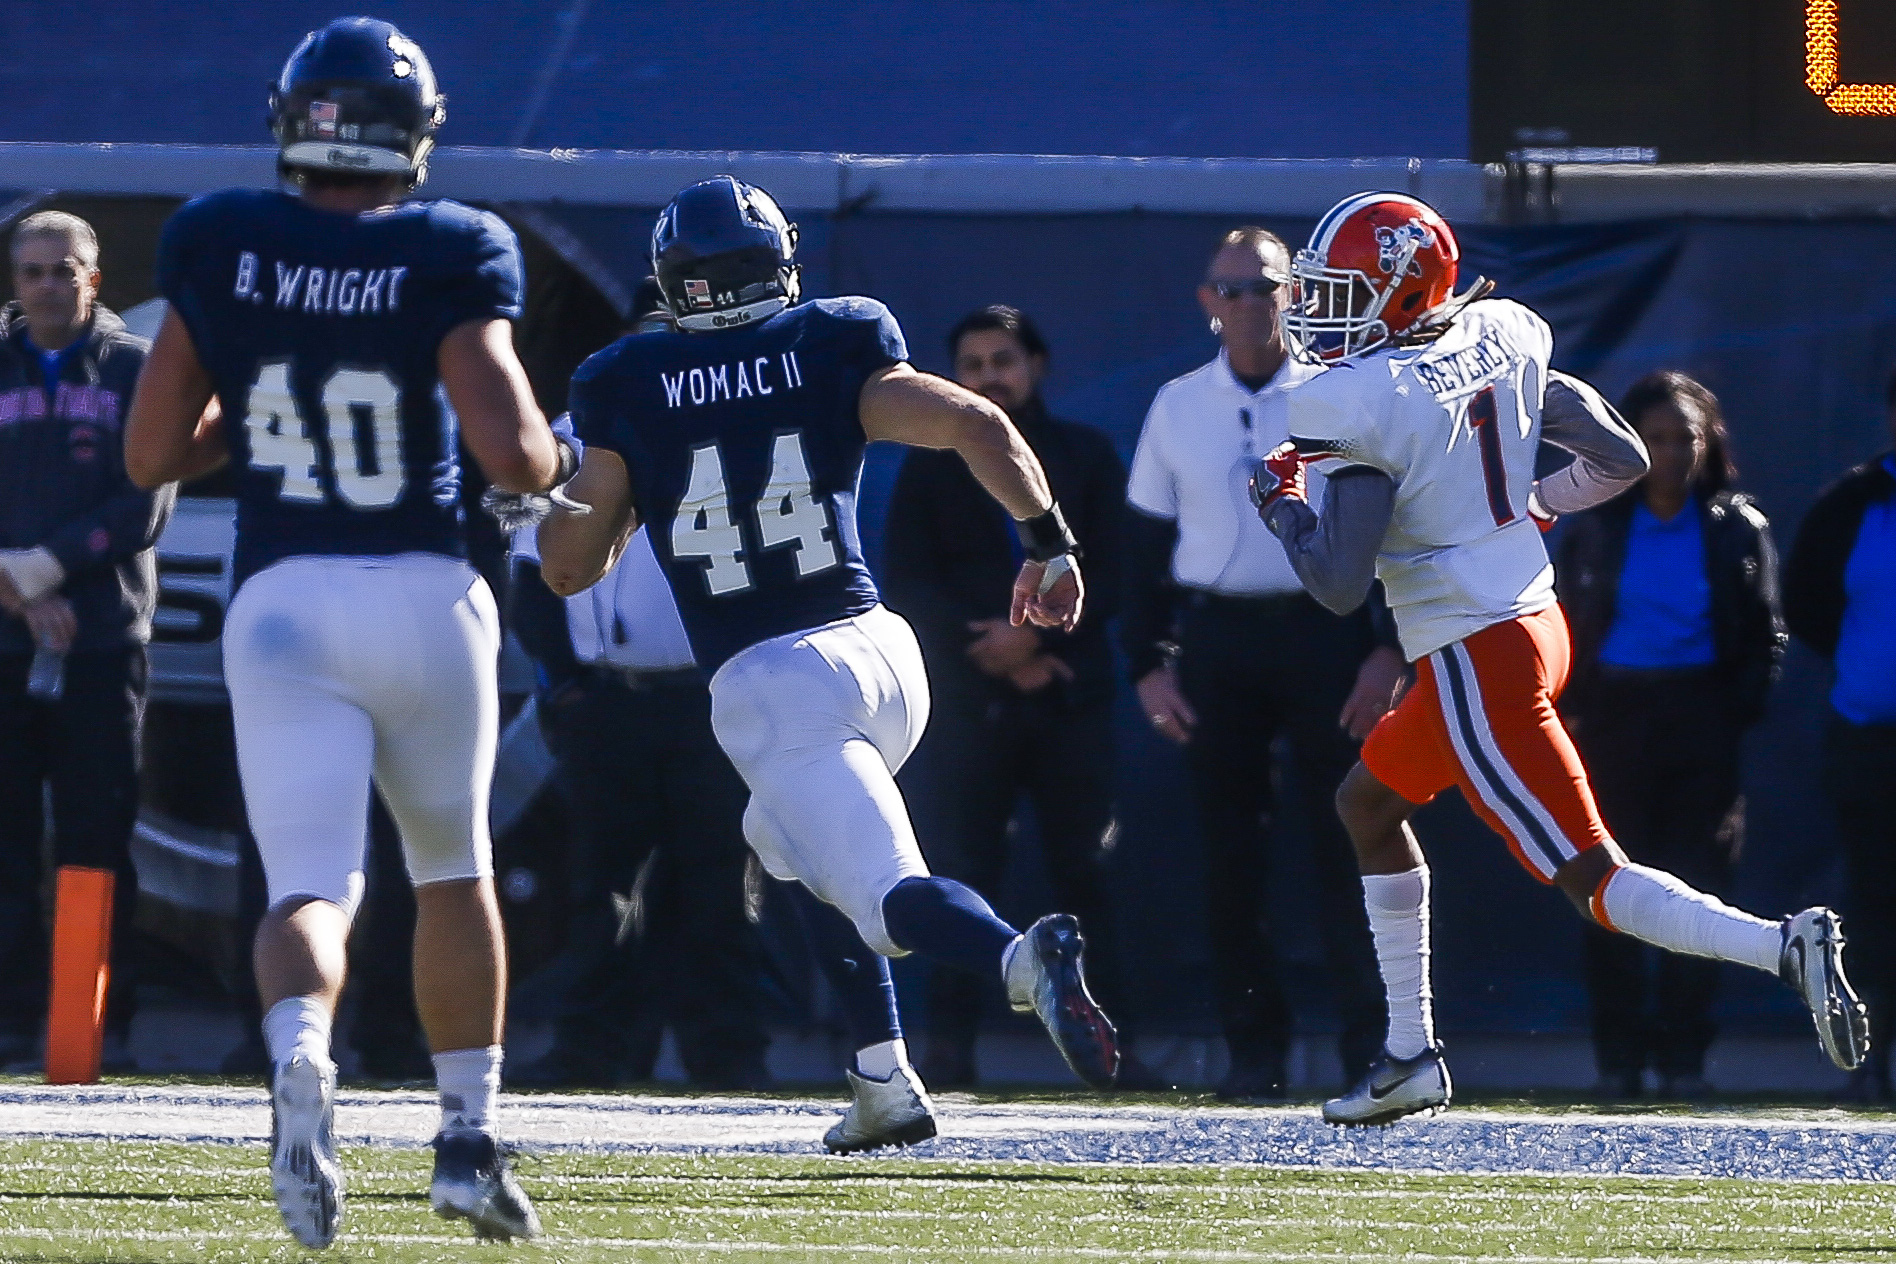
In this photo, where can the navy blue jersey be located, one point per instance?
(321, 332)
(744, 448)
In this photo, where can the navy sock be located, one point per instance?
(946, 921)
(858, 976)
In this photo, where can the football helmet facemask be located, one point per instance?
(1380, 268)
(722, 253)
(358, 97)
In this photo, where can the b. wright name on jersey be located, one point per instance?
(321, 291)
(1467, 369)
(736, 380)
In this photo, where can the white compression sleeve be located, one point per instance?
(1652, 905)
(1398, 905)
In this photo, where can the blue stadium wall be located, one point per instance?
(1266, 78)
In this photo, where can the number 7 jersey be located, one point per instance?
(743, 448)
(322, 332)
(1456, 424)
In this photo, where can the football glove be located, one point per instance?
(1278, 475)
(1543, 517)
(515, 510)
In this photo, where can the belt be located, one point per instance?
(649, 677)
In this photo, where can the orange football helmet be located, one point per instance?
(1377, 265)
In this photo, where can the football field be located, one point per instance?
(176, 1173)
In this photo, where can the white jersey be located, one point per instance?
(1456, 424)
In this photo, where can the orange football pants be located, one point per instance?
(1481, 716)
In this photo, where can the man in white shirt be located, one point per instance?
(1228, 652)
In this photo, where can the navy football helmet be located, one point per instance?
(356, 96)
(722, 253)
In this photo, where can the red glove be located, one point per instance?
(1279, 474)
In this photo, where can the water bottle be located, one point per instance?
(47, 679)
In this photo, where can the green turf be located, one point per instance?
(130, 1203)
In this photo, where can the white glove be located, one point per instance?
(33, 572)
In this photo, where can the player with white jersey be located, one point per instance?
(352, 342)
(1429, 421)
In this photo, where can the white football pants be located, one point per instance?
(347, 669)
(818, 722)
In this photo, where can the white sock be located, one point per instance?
(297, 1025)
(1652, 905)
(1019, 983)
(1398, 905)
(882, 1060)
(468, 1081)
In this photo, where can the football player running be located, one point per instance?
(347, 336)
(1427, 422)
(738, 439)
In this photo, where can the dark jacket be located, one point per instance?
(950, 554)
(63, 483)
(1813, 581)
(1741, 562)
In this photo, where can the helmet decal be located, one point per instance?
(1396, 247)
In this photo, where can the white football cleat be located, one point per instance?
(472, 1182)
(1812, 963)
(895, 1111)
(1393, 1088)
(303, 1167)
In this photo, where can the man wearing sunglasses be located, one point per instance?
(78, 584)
(1228, 653)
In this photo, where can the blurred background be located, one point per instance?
(1678, 184)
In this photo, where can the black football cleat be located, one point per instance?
(472, 1182)
(1045, 975)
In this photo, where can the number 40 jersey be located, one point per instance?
(321, 332)
(743, 448)
(1456, 423)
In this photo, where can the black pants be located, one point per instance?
(1860, 774)
(644, 772)
(1255, 670)
(1661, 750)
(84, 747)
(984, 750)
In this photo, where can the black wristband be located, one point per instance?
(1046, 536)
(568, 461)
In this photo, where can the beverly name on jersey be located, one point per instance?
(321, 291)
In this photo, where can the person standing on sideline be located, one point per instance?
(351, 338)
(1840, 599)
(1018, 710)
(1229, 653)
(78, 584)
(1671, 595)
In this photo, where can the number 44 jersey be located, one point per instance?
(1456, 424)
(321, 331)
(743, 448)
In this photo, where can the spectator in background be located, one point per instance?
(78, 584)
(628, 714)
(1840, 599)
(1671, 591)
(1015, 710)
(1229, 653)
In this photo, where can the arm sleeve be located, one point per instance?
(128, 522)
(1148, 597)
(1813, 576)
(175, 254)
(1334, 553)
(1608, 456)
(914, 575)
(1105, 539)
(1762, 632)
(1151, 488)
